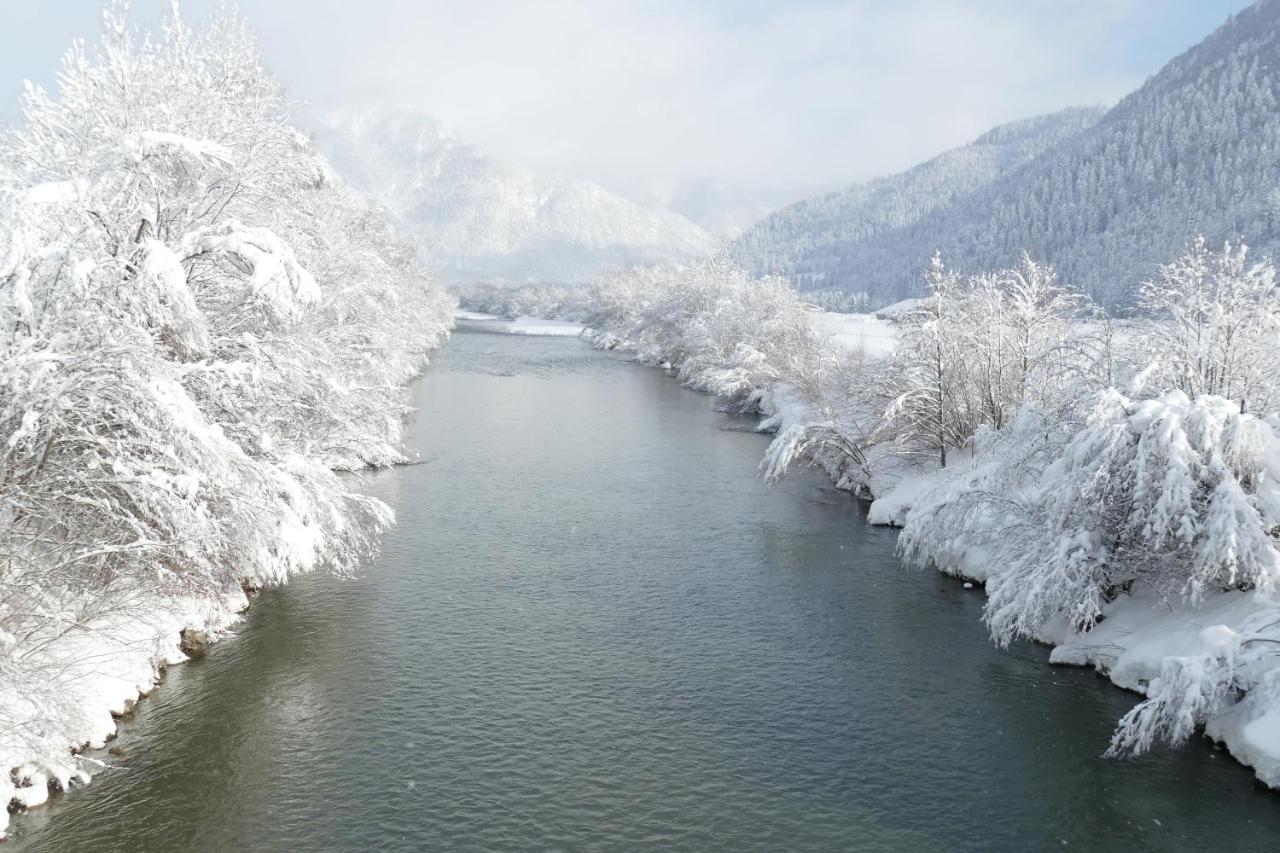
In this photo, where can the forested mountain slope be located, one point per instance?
(1195, 150)
(810, 240)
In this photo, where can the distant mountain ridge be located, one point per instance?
(1107, 199)
(808, 240)
(477, 217)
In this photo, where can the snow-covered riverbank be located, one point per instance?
(522, 325)
(1141, 636)
(201, 325)
(77, 680)
(1200, 650)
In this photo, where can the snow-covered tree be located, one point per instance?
(978, 348)
(928, 408)
(198, 322)
(1211, 325)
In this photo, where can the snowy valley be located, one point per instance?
(1044, 364)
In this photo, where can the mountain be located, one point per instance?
(476, 217)
(1195, 150)
(810, 241)
(722, 209)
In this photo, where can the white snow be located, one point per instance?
(54, 192)
(197, 330)
(551, 328)
(873, 334)
(896, 483)
(897, 309)
(161, 142)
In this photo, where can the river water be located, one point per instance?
(594, 629)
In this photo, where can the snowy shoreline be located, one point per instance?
(105, 669)
(203, 325)
(522, 325)
(1139, 631)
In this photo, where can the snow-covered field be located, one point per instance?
(873, 335)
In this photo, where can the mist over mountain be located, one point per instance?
(477, 217)
(1106, 198)
(723, 209)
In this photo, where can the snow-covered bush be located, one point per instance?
(722, 330)
(511, 301)
(979, 347)
(1211, 325)
(1231, 665)
(1180, 496)
(198, 323)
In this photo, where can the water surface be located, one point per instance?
(594, 629)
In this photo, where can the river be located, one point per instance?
(594, 628)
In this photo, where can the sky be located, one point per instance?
(764, 95)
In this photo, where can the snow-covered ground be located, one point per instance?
(874, 335)
(523, 325)
(899, 308)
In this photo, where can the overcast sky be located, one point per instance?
(792, 95)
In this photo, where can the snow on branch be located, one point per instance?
(277, 278)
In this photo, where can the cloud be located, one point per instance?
(765, 94)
